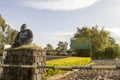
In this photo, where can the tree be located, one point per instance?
(112, 52)
(49, 49)
(99, 38)
(112, 41)
(2, 23)
(7, 34)
(62, 47)
(11, 35)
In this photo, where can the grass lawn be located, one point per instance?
(70, 61)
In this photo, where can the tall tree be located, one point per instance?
(2, 23)
(112, 41)
(99, 37)
(7, 34)
(49, 47)
(62, 46)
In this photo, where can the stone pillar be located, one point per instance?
(24, 57)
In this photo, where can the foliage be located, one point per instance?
(112, 52)
(2, 23)
(99, 38)
(69, 52)
(11, 35)
(62, 47)
(112, 42)
(71, 61)
(99, 54)
(83, 52)
(103, 45)
(52, 53)
(7, 34)
(49, 49)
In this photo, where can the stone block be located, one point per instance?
(24, 57)
(39, 77)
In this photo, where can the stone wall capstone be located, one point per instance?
(24, 57)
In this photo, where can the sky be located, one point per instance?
(52, 21)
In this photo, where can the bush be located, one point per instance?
(98, 55)
(52, 53)
(109, 52)
(112, 52)
(83, 53)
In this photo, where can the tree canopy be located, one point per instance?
(49, 47)
(62, 46)
(100, 39)
(7, 34)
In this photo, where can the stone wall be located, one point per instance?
(24, 57)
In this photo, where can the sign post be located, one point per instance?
(81, 43)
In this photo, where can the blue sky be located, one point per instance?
(56, 20)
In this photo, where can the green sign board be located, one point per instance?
(80, 43)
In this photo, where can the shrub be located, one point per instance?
(112, 52)
(52, 53)
(98, 55)
(82, 53)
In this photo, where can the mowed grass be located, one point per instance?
(70, 61)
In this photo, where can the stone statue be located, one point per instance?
(24, 37)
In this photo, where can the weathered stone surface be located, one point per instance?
(24, 57)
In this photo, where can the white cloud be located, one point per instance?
(65, 5)
(115, 33)
(55, 37)
(114, 30)
(117, 9)
(58, 36)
